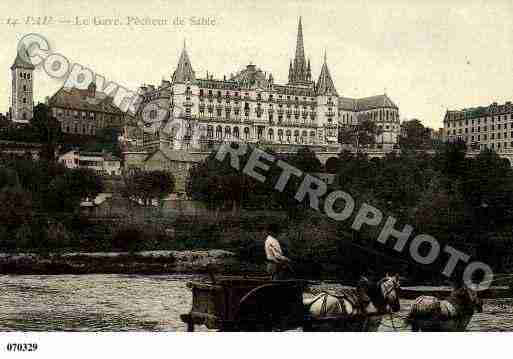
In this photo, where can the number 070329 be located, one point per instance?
(21, 347)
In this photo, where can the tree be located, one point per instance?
(451, 161)
(147, 186)
(218, 183)
(361, 135)
(415, 136)
(68, 190)
(105, 139)
(489, 182)
(47, 129)
(16, 208)
(305, 160)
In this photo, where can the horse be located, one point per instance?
(358, 309)
(452, 314)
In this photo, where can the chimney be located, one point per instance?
(91, 89)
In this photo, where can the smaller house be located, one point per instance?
(103, 163)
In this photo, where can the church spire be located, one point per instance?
(299, 73)
(184, 72)
(325, 84)
(300, 49)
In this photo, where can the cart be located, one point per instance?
(247, 304)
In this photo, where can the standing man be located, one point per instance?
(278, 266)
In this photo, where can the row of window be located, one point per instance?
(83, 129)
(478, 121)
(285, 136)
(478, 129)
(236, 95)
(58, 112)
(492, 145)
(25, 75)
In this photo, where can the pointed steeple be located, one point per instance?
(325, 84)
(300, 50)
(300, 73)
(22, 59)
(184, 72)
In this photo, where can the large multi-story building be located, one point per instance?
(22, 97)
(193, 113)
(83, 112)
(481, 127)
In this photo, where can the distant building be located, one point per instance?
(437, 136)
(176, 162)
(16, 149)
(102, 163)
(83, 112)
(22, 96)
(481, 127)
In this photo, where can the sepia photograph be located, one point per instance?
(246, 166)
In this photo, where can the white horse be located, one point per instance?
(357, 309)
(453, 314)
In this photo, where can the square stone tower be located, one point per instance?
(22, 96)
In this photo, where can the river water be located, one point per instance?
(140, 303)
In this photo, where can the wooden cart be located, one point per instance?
(247, 304)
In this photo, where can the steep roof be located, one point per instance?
(184, 71)
(22, 59)
(79, 99)
(346, 103)
(325, 84)
(373, 102)
(251, 77)
(366, 103)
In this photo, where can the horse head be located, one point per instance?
(467, 297)
(384, 294)
(388, 290)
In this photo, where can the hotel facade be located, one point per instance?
(191, 113)
(485, 127)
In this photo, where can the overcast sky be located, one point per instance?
(427, 55)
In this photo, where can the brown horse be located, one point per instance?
(450, 315)
(359, 309)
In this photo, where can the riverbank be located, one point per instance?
(144, 262)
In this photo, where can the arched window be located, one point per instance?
(210, 131)
(246, 133)
(296, 135)
(304, 136)
(236, 132)
(227, 132)
(312, 136)
(288, 134)
(219, 132)
(270, 134)
(280, 135)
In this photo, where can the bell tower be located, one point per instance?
(22, 96)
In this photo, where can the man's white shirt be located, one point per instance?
(273, 250)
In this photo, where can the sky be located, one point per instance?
(427, 56)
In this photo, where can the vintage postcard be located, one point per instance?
(255, 166)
